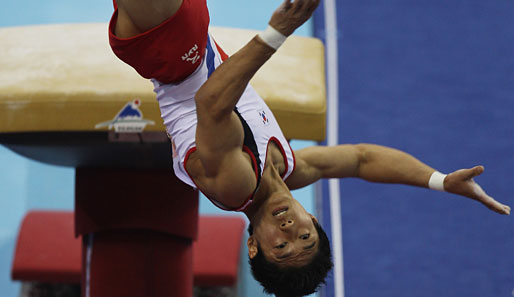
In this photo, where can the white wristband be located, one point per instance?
(272, 37)
(436, 181)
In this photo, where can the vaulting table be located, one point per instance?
(65, 99)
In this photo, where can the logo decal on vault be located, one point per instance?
(128, 120)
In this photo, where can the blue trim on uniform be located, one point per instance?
(210, 57)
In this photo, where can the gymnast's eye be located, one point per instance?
(281, 246)
(305, 236)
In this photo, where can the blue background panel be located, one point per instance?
(435, 79)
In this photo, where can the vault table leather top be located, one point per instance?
(65, 79)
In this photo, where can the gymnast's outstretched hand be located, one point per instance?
(292, 14)
(461, 182)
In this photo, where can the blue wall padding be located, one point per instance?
(436, 79)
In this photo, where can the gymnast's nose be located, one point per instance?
(287, 224)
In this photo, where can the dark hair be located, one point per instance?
(293, 281)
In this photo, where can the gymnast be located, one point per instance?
(227, 143)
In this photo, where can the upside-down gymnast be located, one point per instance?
(223, 146)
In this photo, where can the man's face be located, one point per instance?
(286, 234)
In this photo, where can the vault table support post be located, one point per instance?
(138, 227)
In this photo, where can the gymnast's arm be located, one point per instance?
(384, 165)
(223, 89)
(219, 166)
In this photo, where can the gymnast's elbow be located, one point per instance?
(355, 156)
(210, 104)
(362, 152)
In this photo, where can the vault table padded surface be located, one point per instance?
(66, 78)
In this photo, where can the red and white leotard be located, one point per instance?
(179, 56)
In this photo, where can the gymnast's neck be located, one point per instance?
(271, 189)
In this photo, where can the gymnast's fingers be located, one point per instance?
(475, 171)
(314, 5)
(286, 5)
(305, 5)
(480, 195)
(298, 4)
(495, 206)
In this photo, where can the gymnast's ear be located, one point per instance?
(252, 247)
(314, 219)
